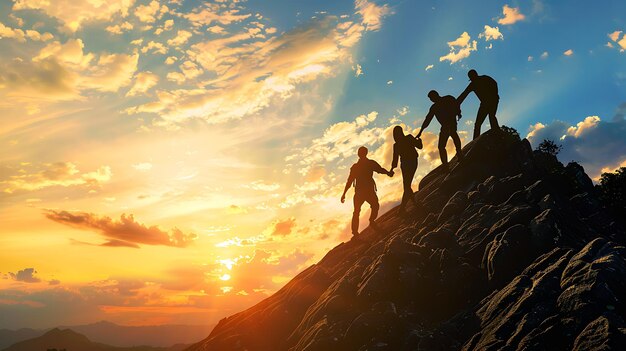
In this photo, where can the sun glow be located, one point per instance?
(225, 277)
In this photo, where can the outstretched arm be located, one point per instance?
(465, 92)
(429, 117)
(378, 169)
(348, 185)
(416, 143)
(394, 162)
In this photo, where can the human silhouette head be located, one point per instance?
(397, 133)
(433, 95)
(472, 74)
(362, 152)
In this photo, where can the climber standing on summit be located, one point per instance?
(486, 89)
(446, 109)
(362, 175)
(404, 149)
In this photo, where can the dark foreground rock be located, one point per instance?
(509, 250)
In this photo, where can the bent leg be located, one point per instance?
(457, 144)
(372, 199)
(480, 118)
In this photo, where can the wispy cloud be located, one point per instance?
(125, 232)
(73, 14)
(29, 177)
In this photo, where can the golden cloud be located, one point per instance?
(63, 174)
(511, 15)
(74, 13)
(123, 233)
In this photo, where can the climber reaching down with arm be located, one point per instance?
(429, 117)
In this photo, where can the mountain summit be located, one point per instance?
(507, 250)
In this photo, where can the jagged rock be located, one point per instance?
(604, 333)
(509, 250)
(507, 254)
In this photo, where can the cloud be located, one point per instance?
(83, 303)
(21, 35)
(71, 53)
(150, 12)
(120, 28)
(214, 13)
(568, 52)
(429, 67)
(511, 15)
(112, 72)
(371, 13)
(594, 143)
(251, 71)
(65, 174)
(168, 24)
(181, 37)
(216, 29)
(143, 82)
(125, 232)
(43, 80)
(358, 70)
(339, 140)
(615, 35)
(63, 71)
(338, 144)
(615, 38)
(157, 48)
(544, 55)
(282, 227)
(460, 49)
(26, 275)
(491, 33)
(74, 13)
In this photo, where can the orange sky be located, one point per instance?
(176, 162)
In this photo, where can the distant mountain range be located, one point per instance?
(118, 335)
(67, 339)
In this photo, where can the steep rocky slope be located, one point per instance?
(508, 250)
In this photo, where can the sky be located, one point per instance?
(177, 162)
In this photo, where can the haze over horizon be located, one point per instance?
(176, 162)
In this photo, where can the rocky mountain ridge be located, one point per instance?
(508, 250)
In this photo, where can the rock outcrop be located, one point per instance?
(507, 250)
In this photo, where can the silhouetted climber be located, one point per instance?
(404, 149)
(486, 89)
(446, 109)
(362, 175)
